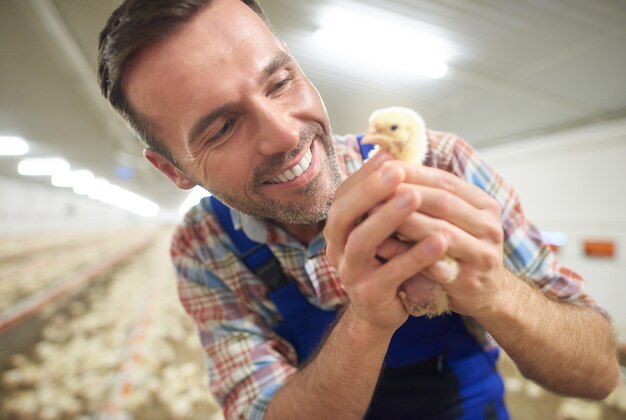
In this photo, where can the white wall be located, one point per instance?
(26, 207)
(575, 182)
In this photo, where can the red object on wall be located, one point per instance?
(600, 248)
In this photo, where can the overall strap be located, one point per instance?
(256, 256)
(365, 149)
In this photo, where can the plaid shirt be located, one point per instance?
(247, 361)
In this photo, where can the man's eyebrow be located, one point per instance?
(277, 62)
(206, 121)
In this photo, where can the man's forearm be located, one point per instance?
(564, 347)
(340, 380)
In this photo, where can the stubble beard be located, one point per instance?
(310, 204)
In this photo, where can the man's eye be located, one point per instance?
(281, 84)
(228, 125)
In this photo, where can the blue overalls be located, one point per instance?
(433, 369)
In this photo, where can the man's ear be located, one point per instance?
(168, 169)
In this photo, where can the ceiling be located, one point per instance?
(518, 67)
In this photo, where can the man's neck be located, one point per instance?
(304, 233)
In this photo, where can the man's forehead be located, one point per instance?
(209, 39)
(205, 63)
(222, 25)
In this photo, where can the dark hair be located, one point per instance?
(134, 25)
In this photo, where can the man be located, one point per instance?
(221, 103)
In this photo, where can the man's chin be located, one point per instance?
(300, 218)
(292, 212)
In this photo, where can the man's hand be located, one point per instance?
(448, 214)
(356, 244)
(469, 219)
(541, 335)
(340, 379)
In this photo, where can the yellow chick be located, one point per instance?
(402, 132)
(399, 131)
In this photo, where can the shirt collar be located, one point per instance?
(267, 233)
(254, 228)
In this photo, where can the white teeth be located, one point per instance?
(289, 174)
(295, 171)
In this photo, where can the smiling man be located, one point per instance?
(220, 102)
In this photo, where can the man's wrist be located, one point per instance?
(510, 304)
(362, 331)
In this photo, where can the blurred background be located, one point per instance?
(90, 323)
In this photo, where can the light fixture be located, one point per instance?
(102, 190)
(13, 146)
(99, 187)
(72, 178)
(127, 200)
(42, 166)
(382, 43)
(83, 182)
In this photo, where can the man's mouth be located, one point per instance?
(295, 171)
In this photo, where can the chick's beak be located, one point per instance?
(373, 136)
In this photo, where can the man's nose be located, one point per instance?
(278, 131)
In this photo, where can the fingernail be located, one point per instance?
(403, 200)
(449, 270)
(431, 246)
(388, 174)
(381, 157)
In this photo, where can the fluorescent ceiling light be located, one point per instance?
(72, 178)
(42, 166)
(102, 190)
(196, 194)
(84, 182)
(386, 44)
(129, 201)
(13, 146)
(99, 187)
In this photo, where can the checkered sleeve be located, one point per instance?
(246, 361)
(525, 252)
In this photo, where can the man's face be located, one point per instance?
(238, 114)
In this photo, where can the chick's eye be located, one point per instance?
(394, 127)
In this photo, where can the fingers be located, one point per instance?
(480, 223)
(392, 247)
(469, 221)
(367, 169)
(353, 203)
(364, 240)
(443, 180)
(446, 196)
(462, 245)
(405, 265)
(445, 271)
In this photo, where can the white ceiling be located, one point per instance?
(518, 67)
